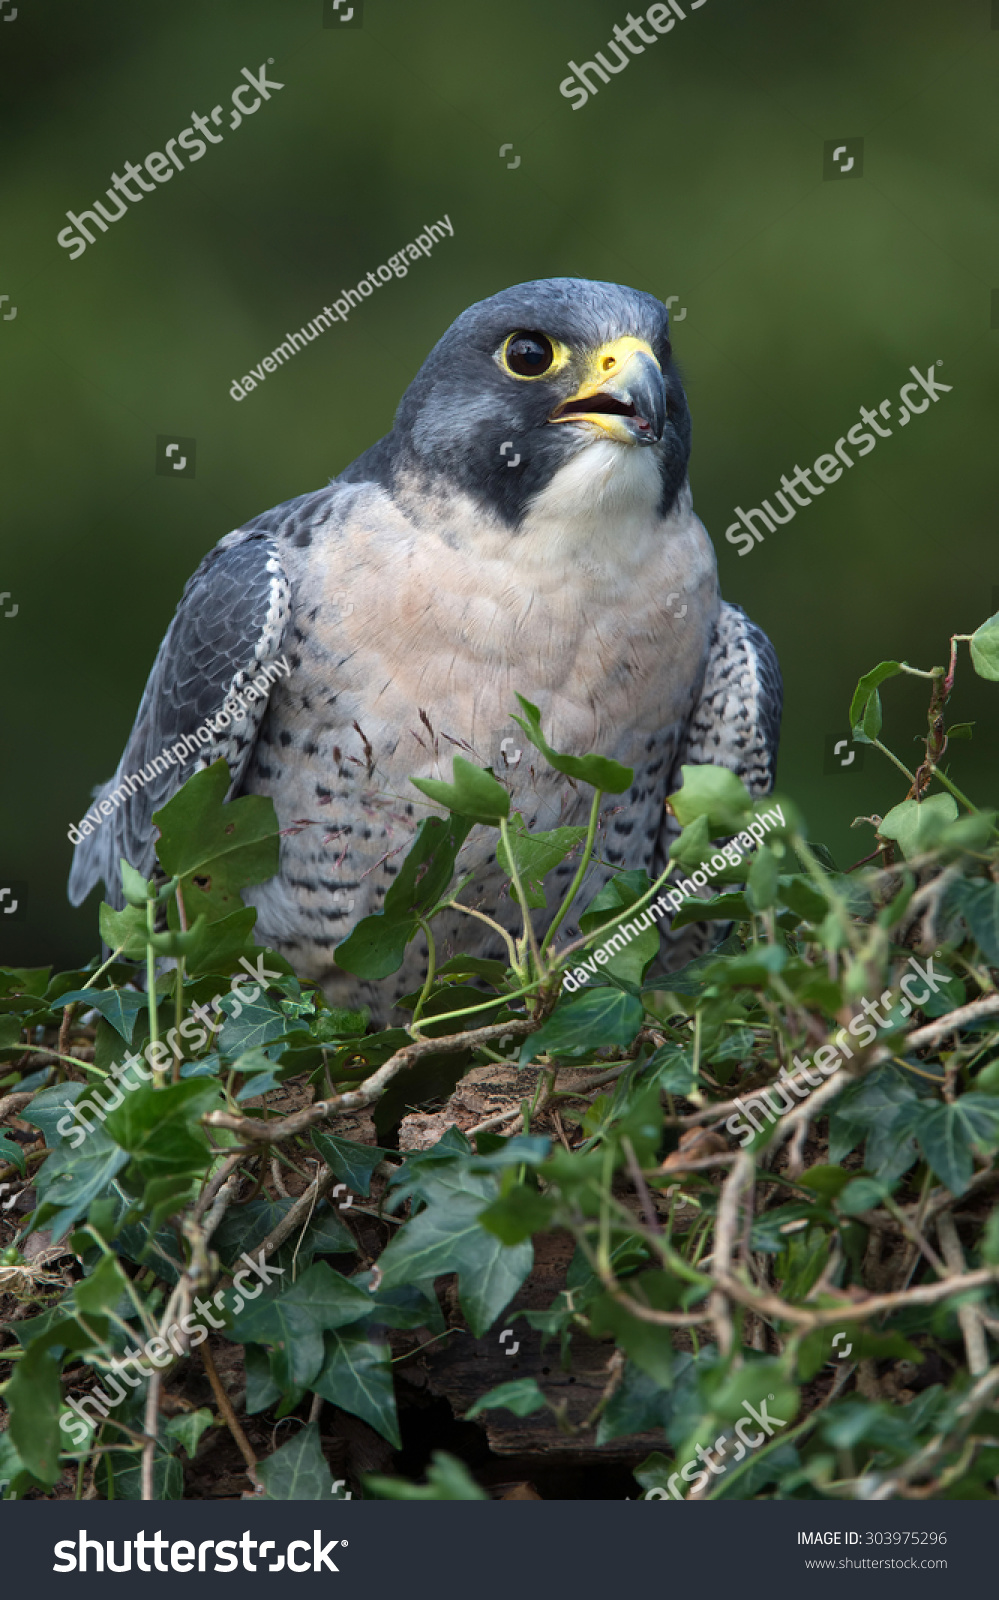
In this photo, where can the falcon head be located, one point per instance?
(573, 377)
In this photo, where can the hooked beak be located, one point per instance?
(624, 394)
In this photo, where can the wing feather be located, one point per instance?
(229, 625)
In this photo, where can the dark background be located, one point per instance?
(698, 171)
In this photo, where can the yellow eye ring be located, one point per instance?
(530, 355)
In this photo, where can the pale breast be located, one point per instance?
(408, 647)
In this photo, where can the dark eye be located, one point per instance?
(529, 355)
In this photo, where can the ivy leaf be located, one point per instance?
(473, 792)
(187, 1429)
(917, 826)
(70, 1178)
(378, 943)
(716, 793)
(352, 1163)
(215, 849)
(800, 895)
(447, 1479)
(522, 1397)
(984, 647)
(448, 1237)
(600, 772)
(258, 1024)
(124, 930)
(535, 855)
(763, 882)
(34, 1397)
(629, 960)
(865, 707)
(518, 1214)
(594, 1021)
(732, 907)
(120, 1007)
(298, 1470)
(134, 886)
(947, 1133)
(671, 1069)
(216, 946)
(978, 903)
(649, 1347)
(161, 1128)
(357, 1377)
(293, 1321)
(639, 1404)
(11, 1151)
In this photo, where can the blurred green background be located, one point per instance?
(697, 172)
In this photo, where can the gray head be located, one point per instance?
(547, 369)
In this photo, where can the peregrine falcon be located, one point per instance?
(527, 525)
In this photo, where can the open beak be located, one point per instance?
(624, 394)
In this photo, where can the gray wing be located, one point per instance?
(228, 628)
(736, 724)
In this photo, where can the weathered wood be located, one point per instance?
(461, 1369)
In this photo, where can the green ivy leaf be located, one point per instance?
(357, 1377)
(948, 1133)
(978, 903)
(120, 1007)
(294, 1320)
(34, 1397)
(215, 848)
(134, 886)
(473, 792)
(187, 1429)
(594, 1021)
(865, 707)
(763, 882)
(716, 793)
(917, 826)
(984, 647)
(649, 1347)
(522, 1397)
(124, 930)
(352, 1163)
(449, 1237)
(518, 1214)
(161, 1128)
(376, 947)
(298, 1470)
(629, 960)
(447, 1479)
(535, 855)
(600, 772)
(70, 1178)
(732, 907)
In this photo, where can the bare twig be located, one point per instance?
(225, 1406)
(370, 1089)
(968, 1316)
(986, 1007)
(150, 1424)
